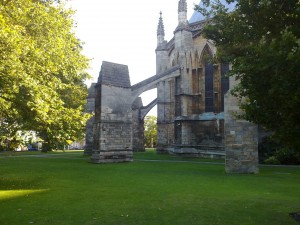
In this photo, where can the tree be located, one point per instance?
(261, 40)
(41, 71)
(150, 133)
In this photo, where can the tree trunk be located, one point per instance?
(46, 146)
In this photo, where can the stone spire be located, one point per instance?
(160, 27)
(182, 12)
(182, 6)
(160, 31)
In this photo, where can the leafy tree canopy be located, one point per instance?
(150, 133)
(261, 40)
(41, 70)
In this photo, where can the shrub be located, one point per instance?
(287, 156)
(272, 161)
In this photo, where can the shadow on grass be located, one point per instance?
(7, 183)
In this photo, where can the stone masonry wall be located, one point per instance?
(113, 115)
(90, 107)
(137, 126)
(165, 115)
(241, 139)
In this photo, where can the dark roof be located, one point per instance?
(114, 74)
(196, 16)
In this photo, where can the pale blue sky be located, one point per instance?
(125, 32)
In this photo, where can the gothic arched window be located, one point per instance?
(209, 87)
(206, 57)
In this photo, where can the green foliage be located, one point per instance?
(287, 156)
(41, 71)
(20, 140)
(271, 151)
(150, 133)
(272, 160)
(261, 41)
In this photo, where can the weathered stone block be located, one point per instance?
(113, 117)
(241, 146)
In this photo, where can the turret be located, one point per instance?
(161, 51)
(183, 33)
(182, 12)
(160, 31)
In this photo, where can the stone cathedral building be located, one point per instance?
(190, 106)
(194, 113)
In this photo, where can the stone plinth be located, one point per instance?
(111, 156)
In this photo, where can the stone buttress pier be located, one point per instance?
(241, 138)
(90, 108)
(112, 128)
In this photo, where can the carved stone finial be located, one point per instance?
(182, 6)
(160, 27)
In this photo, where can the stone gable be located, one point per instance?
(114, 74)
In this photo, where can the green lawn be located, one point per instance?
(63, 188)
